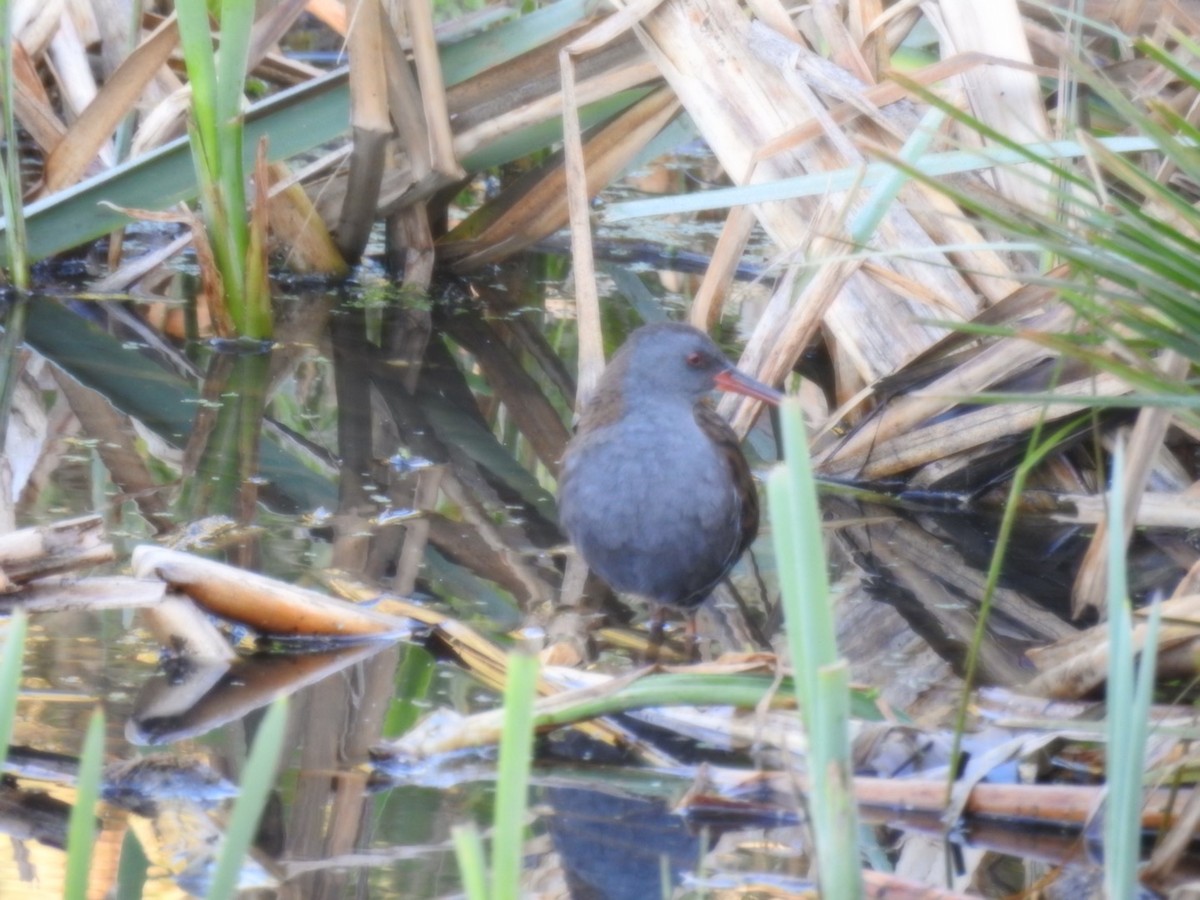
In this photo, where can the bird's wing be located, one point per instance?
(726, 441)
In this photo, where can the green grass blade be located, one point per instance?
(132, 869)
(258, 778)
(1038, 450)
(195, 38)
(237, 23)
(512, 788)
(933, 165)
(11, 663)
(741, 690)
(1119, 870)
(836, 815)
(822, 680)
(799, 547)
(1127, 706)
(81, 827)
(498, 45)
(472, 861)
(414, 677)
(868, 218)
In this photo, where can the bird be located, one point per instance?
(654, 491)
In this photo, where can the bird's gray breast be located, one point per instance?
(649, 502)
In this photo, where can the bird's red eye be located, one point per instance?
(695, 359)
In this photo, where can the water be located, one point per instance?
(424, 468)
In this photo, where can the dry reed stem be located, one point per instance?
(370, 121)
(433, 88)
(977, 428)
(50, 549)
(32, 104)
(485, 661)
(1001, 360)
(1171, 846)
(1156, 509)
(511, 117)
(536, 206)
(94, 593)
(1074, 667)
(718, 277)
(1007, 99)
(1144, 443)
(72, 70)
(331, 12)
(67, 162)
(587, 302)
(296, 226)
(744, 86)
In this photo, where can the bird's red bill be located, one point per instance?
(737, 382)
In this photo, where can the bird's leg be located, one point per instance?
(657, 636)
(691, 638)
(658, 619)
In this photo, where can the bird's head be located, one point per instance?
(673, 360)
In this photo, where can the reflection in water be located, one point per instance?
(190, 698)
(220, 463)
(423, 439)
(618, 846)
(916, 564)
(483, 519)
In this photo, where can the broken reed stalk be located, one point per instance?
(65, 546)
(268, 606)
